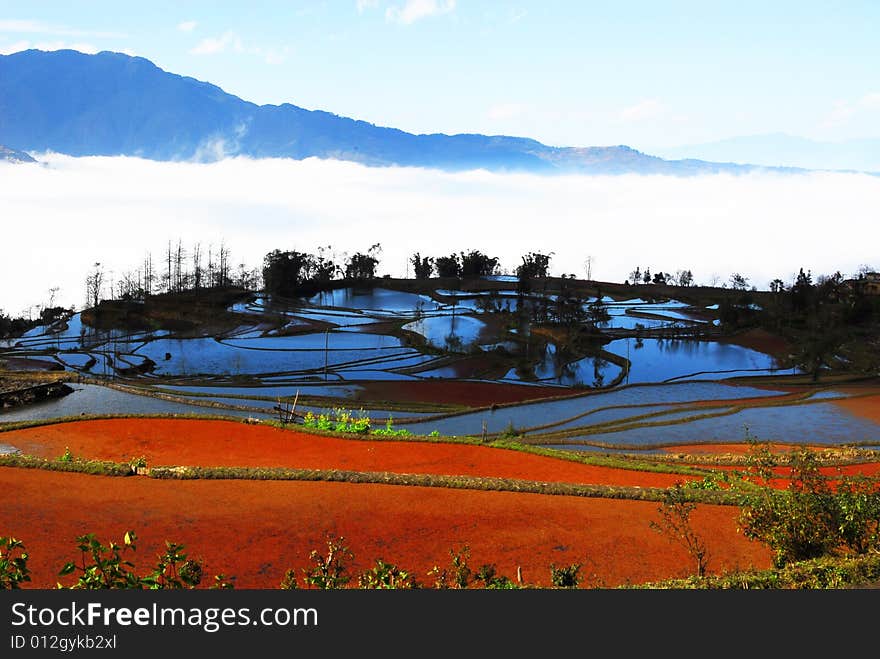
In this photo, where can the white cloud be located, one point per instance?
(870, 101)
(230, 42)
(415, 10)
(272, 56)
(8, 49)
(517, 15)
(39, 27)
(187, 26)
(215, 45)
(709, 224)
(844, 111)
(363, 5)
(14, 47)
(645, 110)
(504, 111)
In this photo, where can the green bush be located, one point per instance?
(458, 575)
(389, 431)
(387, 576)
(566, 576)
(105, 567)
(13, 564)
(341, 420)
(809, 519)
(330, 570)
(675, 523)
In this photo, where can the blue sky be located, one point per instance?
(647, 74)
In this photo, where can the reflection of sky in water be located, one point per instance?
(375, 298)
(661, 359)
(461, 331)
(588, 371)
(819, 423)
(535, 414)
(194, 356)
(94, 399)
(338, 391)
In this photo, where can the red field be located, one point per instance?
(255, 530)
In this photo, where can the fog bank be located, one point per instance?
(59, 218)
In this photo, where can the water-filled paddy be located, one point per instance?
(95, 399)
(379, 299)
(539, 413)
(455, 333)
(812, 423)
(657, 360)
(208, 356)
(289, 391)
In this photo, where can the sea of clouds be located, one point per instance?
(60, 217)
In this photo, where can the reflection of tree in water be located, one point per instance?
(453, 342)
(599, 365)
(567, 373)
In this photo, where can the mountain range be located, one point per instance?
(113, 104)
(11, 155)
(786, 150)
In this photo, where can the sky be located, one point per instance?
(648, 74)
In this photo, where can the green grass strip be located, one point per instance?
(481, 483)
(821, 573)
(77, 465)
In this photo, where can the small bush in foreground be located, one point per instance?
(458, 575)
(387, 576)
(106, 567)
(13, 564)
(330, 570)
(810, 519)
(675, 523)
(566, 576)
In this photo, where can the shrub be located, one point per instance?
(858, 514)
(459, 573)
(288, 581)
(387, 576)
(13, 564)
(565, 576)
(138, 463)
(389, 431)
(675, 522)
(809, 519)
(510, 432)
(105, 567)
(330, 570)
(341, 421)
(487, 574)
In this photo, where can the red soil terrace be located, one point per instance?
(472, 394)
(227, 443)
(255, 530)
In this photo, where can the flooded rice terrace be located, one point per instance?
(651, 373)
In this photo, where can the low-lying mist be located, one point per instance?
(61, 217)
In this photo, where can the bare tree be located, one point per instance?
(94, 284)
(197, 265)
(675, 523)
(149, 275)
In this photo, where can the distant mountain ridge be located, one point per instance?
(781, 149)
(113, 104)
(11, 155)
